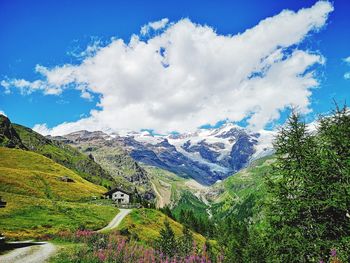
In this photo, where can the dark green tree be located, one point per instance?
(331, 209)
(166, 210)
(186, 242)
(232, 238)
(167, 242)
(308, 210)
(289, 210)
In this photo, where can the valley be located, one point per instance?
(55, 193)
(50, 192)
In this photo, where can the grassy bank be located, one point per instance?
(29, 217)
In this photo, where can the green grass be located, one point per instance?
(39, 204)
(28, 217)
(243, 193)
(146, 224)
(190, 202)
(28, 173)
(64, 155)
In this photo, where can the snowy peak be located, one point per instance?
(206, 155)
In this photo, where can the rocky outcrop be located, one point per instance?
(8, 135)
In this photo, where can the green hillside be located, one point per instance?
(126, 173)
(177, 192)
(64, 155)
(39, 202)
(28, 173)
(8, 135)
(242, 194)
(145, 224)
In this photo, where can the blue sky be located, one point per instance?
(50, 33)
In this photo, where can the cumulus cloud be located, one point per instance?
(188, 75)
(157, 25)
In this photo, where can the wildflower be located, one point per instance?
(333, 252)
(101, 256)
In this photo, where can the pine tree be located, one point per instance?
(186, 242)
(289, 210)
(232, 239)
(167, 242)
(310, 191)
(332, 209)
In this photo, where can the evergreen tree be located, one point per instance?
(332, 208)
(166, 210)
(289, 210)
(310, 191)
(186, 241)
(166, 242)
(232, 238)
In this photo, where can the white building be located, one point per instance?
(119, 196)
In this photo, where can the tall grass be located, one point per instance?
(99, 247)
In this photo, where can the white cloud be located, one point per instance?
(157, 25)
(42, 129)
(189, 75)
(3, 113)
(347, 75)
(347, 60)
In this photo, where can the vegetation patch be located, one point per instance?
(29, 217)
(145, 225)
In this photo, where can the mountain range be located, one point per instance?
(206, 155)
(200, 172)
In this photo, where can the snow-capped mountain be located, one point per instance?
(206, 155)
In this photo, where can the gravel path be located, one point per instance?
(37, 253)
(116, 220)
(40, 252)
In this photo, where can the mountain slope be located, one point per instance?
(39, 200)
(8, 135)
(29, 173)
(127, 173)
(242, 194)
(64, 155)
(206, 155)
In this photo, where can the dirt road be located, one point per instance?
(116, 220)
(40, 252)
(31, 252)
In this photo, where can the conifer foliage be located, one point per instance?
(309, 206)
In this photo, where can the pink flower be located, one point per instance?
(333, 252)
(101, 256)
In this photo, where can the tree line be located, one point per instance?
(306, 214)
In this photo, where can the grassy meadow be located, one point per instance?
(145, 224)
(39, 204)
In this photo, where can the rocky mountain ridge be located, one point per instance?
(206, 155)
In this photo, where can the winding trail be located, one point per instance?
(116, 220)
(40, 252)
(32, 252)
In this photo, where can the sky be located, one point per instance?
(170, 65)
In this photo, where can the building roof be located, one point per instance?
(116, 189)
